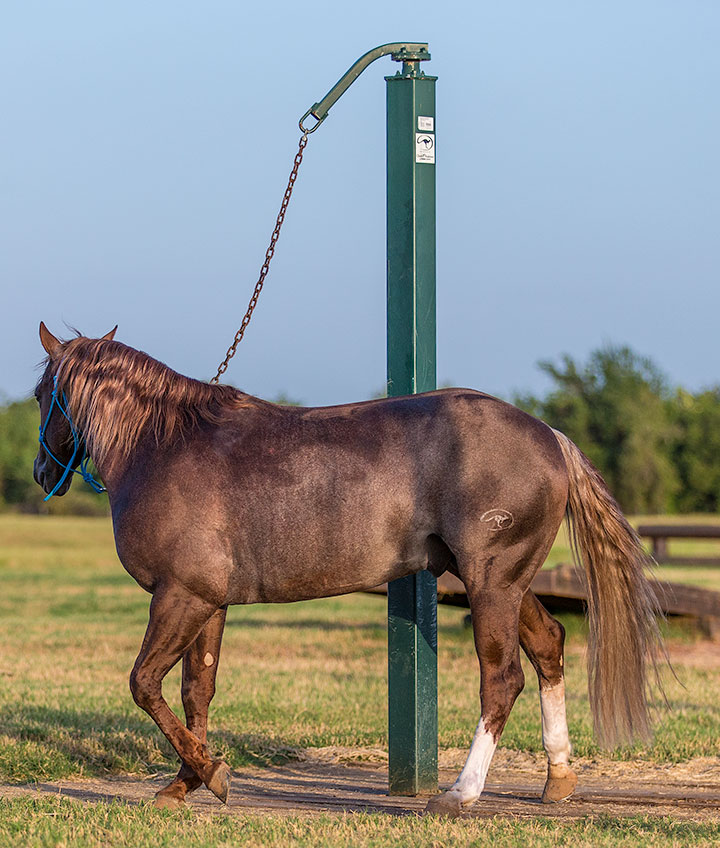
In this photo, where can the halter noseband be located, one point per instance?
(68, 467)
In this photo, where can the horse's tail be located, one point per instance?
(622, 605)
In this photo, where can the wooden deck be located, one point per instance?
(564, 588)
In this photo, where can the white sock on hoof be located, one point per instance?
(469, 786)
(555, 737)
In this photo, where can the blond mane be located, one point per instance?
(117, 394)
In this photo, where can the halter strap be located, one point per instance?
(68, 467)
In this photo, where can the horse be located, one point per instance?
(218, 497)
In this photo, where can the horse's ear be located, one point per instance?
(108, 337)
(48, 341)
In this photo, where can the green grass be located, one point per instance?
(291, 676)
(59, 823)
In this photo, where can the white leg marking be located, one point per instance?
(556, 740)
(469, 786)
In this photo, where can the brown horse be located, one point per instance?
(220, 498)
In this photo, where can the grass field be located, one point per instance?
(291, 677)
(58, 823)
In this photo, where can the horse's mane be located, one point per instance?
(117, 394)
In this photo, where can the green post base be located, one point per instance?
(412, 685)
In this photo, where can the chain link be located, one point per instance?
(222, 368)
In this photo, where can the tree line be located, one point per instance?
(656, 445)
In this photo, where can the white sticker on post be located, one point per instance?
(426, 124)
(425, 148)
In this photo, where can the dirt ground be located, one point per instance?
(333, 780)
(337, 780)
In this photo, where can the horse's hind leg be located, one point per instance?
(176, 618)
(542, 638)
(200, 663)
(495, 614)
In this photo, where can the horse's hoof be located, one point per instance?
(168, 802)
(445, 804)
(219, 781)
(560, 784)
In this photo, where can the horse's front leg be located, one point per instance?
(200, 664)
(176, 618)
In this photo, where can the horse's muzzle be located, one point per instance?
(40, 475)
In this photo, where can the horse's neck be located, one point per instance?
(122, 430)
(100, 431)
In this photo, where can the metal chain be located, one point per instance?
(266, 264)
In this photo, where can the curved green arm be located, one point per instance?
(400, 51)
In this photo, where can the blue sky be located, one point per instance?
(146, 146)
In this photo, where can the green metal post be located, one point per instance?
(412, 601)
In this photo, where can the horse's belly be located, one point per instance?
(320, 573)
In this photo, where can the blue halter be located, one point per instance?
(68, 467)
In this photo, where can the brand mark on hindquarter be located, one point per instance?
(500, 519)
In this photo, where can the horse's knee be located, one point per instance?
(550, 652)
(499, 688)
(514, 681)
(545, 647)
(557, 634)
(549, 648)
(143, 688)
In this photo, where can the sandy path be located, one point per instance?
(330, 782)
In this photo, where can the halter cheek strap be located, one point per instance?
(67, 466)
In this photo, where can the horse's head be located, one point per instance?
(61, 447)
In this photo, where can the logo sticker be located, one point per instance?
(425, 148)
(500, 519)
